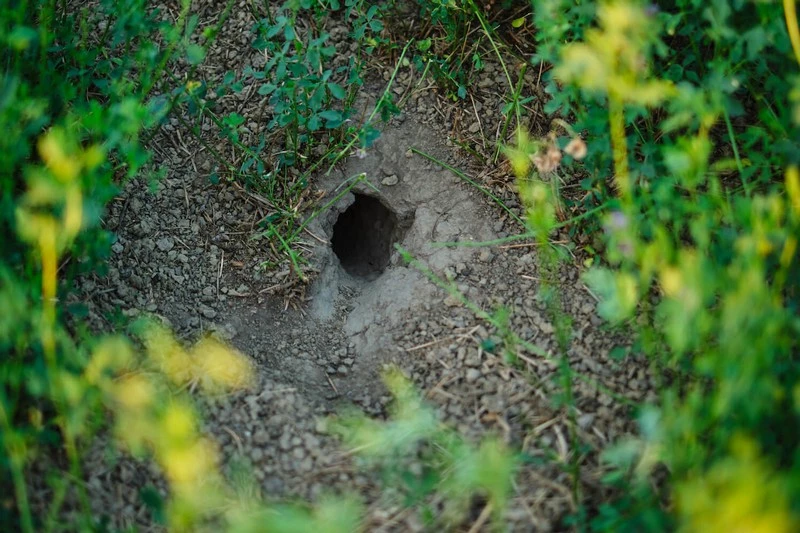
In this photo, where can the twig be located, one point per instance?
(484, 516)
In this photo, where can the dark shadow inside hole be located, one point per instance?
(363, 237)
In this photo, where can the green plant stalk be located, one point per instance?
(291, 253)
(286, 243)
(515, 104)
(49, 260)
(569, 400)
(46, 16)
(466, 178)
(225, 14)
(735, 148)
(20, 488)
(213, 151)
(563, 335)
(384, 96)
(487, 31)
(19, 11)
(403, 100)
(790, 14)
(470, 151)
(59, 492)
(522, 236)
(548, 262)
(453, 291)
(217, 122)
(156, 75)
(616, 116)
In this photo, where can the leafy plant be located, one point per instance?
(421, 456)
(710, 232)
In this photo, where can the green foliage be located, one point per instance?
(310, 102)
(73, 103)
(301, 90)
(689, 108)
(445, 54)
(683, 122)
(421, 456)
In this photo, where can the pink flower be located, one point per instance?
(548, 162)
(576, 148)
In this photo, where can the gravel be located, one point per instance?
(190, 253)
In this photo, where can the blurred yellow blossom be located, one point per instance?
(186, 466)
(789, 250)
(73, 214)
(222, 366)
(192, 86)
(93, 156)
(671, 281)
(177, 423)
(793, 189)
(134, 391)
(740, 494)
(168, 355)
(60, 160)
(612, 59)
(520, 155)
(211, 363)
(110, 355)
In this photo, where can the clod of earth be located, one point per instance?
(363, 237)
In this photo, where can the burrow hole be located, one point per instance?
(363, 237)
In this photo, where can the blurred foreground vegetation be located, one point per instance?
(680, 120)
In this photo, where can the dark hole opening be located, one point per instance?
(363, 236)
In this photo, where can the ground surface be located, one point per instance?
(187, 253)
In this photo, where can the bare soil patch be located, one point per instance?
(190, 252)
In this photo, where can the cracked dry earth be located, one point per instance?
(190, 253)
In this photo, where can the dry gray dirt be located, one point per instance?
(190, 253)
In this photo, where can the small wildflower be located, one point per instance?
(671, 281)
(56, 154)
(652, 10)
(576, 148)
(220, 366)
(625, 247)
(548, 162)
(134, 392)
(361, 153)
(616, 221)
(192, 86)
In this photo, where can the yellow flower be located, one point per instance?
(73, 213)
(519, 156)
(134, 392)
(793, 188)
(177, 423)
(169, 355)
(110, 354)
(186, 466)
(739, 494)
(192, 85)
(671, 281)
(52, 149)
(221, 365)
(93, 156)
